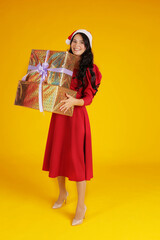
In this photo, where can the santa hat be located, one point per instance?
(88, 34)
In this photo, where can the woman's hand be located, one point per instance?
(69, 102)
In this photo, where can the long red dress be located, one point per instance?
(69, 149)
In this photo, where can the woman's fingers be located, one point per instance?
(63, 100)
(63, 107)
(67, 103)
(66, 110)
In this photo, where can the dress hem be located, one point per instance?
(71, 179)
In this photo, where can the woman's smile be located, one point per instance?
(77, 45)
(77, 50)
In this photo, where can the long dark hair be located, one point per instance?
(86, 61)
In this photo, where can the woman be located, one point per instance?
(68, 150)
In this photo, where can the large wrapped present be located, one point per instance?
(52, 67)
(47, 80)
(28, 96)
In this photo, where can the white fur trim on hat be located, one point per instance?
(88, 34)
(68, 41)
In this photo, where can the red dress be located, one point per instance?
(69, 149)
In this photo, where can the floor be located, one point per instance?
(123, 203)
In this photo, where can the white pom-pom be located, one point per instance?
(68, 41)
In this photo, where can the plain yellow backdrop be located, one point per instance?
(122, 201)
(124, 115)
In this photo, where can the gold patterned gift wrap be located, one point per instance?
(52, 67)
(28, 96)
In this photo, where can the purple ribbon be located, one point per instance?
(42, 70)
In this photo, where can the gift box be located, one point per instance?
(52, 67)
(28, 95)
(47, 80)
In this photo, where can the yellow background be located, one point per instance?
(124, 115)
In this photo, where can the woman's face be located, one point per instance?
(77, 45)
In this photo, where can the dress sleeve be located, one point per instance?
(89, 92)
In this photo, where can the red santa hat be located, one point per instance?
(88, 34)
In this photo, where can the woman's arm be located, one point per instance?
(79, 102)
(88, 92)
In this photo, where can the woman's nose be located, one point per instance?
(77, 44)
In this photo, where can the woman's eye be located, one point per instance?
(76, 42)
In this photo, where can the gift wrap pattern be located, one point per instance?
(47, 81)
(28, 96)
(63, 62)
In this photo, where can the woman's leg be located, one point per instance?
(62, 189)
(81, 188)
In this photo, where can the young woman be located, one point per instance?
(68, 150)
